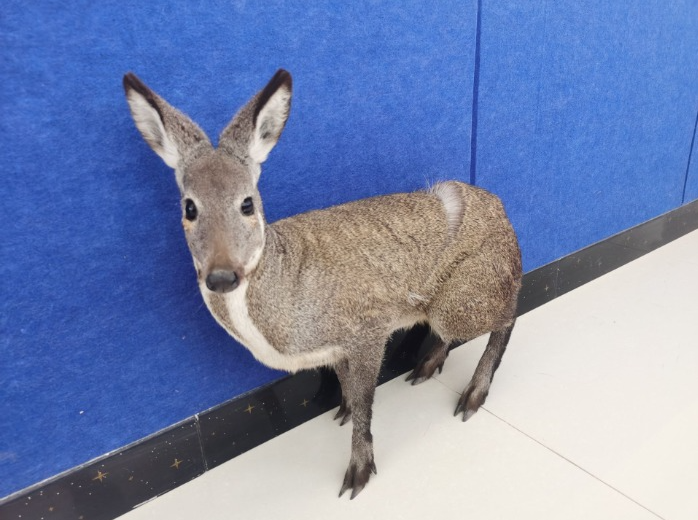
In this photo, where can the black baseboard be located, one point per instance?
(117, 482)
(574, 270)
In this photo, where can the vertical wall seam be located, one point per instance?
(476, 89)
(688, 165)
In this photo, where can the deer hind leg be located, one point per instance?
(477, 389)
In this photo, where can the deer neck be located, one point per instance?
(274, 255)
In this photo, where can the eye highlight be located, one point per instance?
(247, 206)
(190, 211)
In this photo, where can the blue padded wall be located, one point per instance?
(104, 337)
(585, 115)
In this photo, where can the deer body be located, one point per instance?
(329, 287)
(385, 257)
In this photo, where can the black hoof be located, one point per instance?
(357, 477)
(470, 401)
(423, 371)
(344, 413)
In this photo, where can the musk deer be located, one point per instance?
(329, 287)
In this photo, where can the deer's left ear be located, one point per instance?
(256, 128)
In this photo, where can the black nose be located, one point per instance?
(222, 281)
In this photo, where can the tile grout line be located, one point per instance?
(435, 378)
(572, 463)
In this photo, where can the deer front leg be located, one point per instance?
(360, 387)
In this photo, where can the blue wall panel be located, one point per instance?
(104, 337)
(586, 111)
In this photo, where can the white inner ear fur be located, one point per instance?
(255, 171)
(270, 122)
(150, 125)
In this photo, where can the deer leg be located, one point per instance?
(362, 374)
(476, 392)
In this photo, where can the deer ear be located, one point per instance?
(270, 115)
(170, 133)
(256, 128)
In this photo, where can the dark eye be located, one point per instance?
(247, 206)
(190, 211)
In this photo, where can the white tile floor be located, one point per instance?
(593, 414)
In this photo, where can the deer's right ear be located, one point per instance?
(170, 133)
(256, 128)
